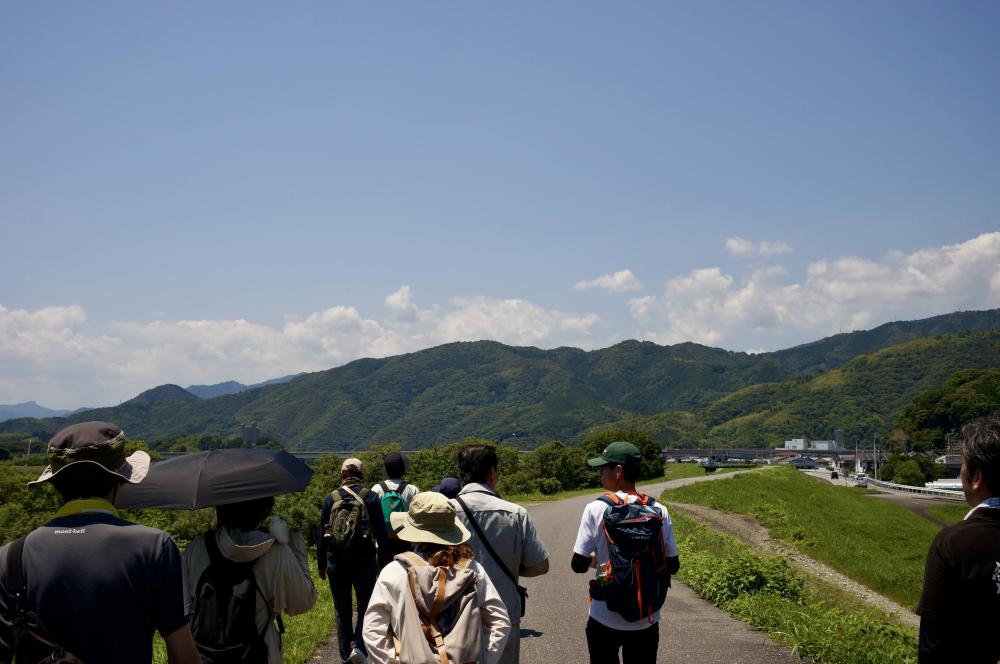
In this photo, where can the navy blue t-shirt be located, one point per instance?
(101, 586)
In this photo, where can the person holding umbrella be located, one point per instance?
(238, 558)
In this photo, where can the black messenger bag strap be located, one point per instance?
(486, 542)
(25, 623)
(521, 590)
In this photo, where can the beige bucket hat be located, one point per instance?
(430, 520)
(96, 445)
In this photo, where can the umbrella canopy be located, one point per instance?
(217, 477)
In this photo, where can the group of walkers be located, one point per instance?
(435, 578)
(434, 575)
(374, 541)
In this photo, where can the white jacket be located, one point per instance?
(384, 611)
(281, 571)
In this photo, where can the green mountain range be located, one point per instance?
(685, 394)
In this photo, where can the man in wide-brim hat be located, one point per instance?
(98, 585)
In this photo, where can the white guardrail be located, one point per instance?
(940, 493)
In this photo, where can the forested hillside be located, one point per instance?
(685, 394)
(863, 397)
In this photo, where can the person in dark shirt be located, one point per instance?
(355, 569)
(99, 585)
(960, 604)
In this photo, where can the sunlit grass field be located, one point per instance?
(949, 513)
(812, 616)
(876, 543)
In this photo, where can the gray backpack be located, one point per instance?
(441, 617)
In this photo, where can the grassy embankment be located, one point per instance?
(881, 545)
(813, 617)
(949, 513)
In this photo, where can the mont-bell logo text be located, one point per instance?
(80, 531)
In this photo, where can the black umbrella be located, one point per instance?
(216, 477)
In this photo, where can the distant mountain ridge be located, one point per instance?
(685, 392)
(32, 409)
(233, 387)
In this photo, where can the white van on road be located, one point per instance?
(860, 479)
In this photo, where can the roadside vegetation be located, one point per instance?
(876, 543)
(810, 616)
(949, 513)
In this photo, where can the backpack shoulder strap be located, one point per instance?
(411, 559)
(385, 487)
(401, 486)
(15, 576)
(610, 498)
(212, 545)
(484, 540)
(354, 493)
(643, 498)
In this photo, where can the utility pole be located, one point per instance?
(875, 452)
(857, 460)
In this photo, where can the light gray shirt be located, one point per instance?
(512, 535)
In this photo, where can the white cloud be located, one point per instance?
(48, 357)
(54, 355)
(737, 246)
(845, 293)
(619, 282)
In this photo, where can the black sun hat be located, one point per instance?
(95, 445)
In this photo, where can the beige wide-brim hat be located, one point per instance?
(93, 446)
(430, 520)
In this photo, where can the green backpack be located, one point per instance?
(392, 501)
(349, 528)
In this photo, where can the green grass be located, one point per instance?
(949, 513)
(303, 633)
(881, 545)
(811, 616)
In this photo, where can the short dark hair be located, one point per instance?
(246, 515)
(631, 473)
(475, 463)
(980, 440)
(395, 465)
(80, 481)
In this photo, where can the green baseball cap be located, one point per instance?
(618, 453)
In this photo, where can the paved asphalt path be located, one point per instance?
(691, 631)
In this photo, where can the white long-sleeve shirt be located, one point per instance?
(383, 616)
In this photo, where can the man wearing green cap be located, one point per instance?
(613, 627)
(92, 583)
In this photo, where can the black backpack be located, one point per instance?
(224, 625)
(32, 641)
(635, 580)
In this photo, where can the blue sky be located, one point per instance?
(192, 194)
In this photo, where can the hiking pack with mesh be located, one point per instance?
(441, 616)
(349, 528)
(392, 501)
(635, 580)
